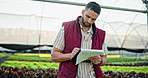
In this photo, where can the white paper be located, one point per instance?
(86, 53)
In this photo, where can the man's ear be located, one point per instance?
(83, 12)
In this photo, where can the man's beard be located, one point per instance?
(84, 23)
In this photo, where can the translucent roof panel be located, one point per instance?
(37, 22)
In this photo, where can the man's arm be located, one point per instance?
(58, 56)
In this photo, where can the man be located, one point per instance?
(80, 34)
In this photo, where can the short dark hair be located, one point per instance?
(93, 6)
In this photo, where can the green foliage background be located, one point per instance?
(46, 65)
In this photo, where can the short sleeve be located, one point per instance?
(104, 47)
(59, 41)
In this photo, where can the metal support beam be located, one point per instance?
(146, 3)
(83, 4)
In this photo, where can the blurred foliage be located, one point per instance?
(34, 65)
(125, 69)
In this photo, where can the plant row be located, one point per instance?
(130, 64)
(36, 57)
(125, 69)
(34, 65)
(10, 72)
(28, 60)
(132, 74)
(125, 59)
(46, 65)
(108, 64)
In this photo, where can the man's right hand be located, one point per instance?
(74, 52)
(58, 56)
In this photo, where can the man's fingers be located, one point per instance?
(96, 61)
(74, 52)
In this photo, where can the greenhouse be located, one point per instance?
(28, 29)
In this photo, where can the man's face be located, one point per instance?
(89, 17)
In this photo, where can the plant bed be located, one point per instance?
(27, 56)
(130, 64)
(30, 56)
(114, 60)
(126, 69)
(28, 60)
(108, 64)
(24, 72)
(46, 65)
(34, 65)
(132, 74)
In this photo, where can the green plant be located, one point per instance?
(125, 69)
(34, 65)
